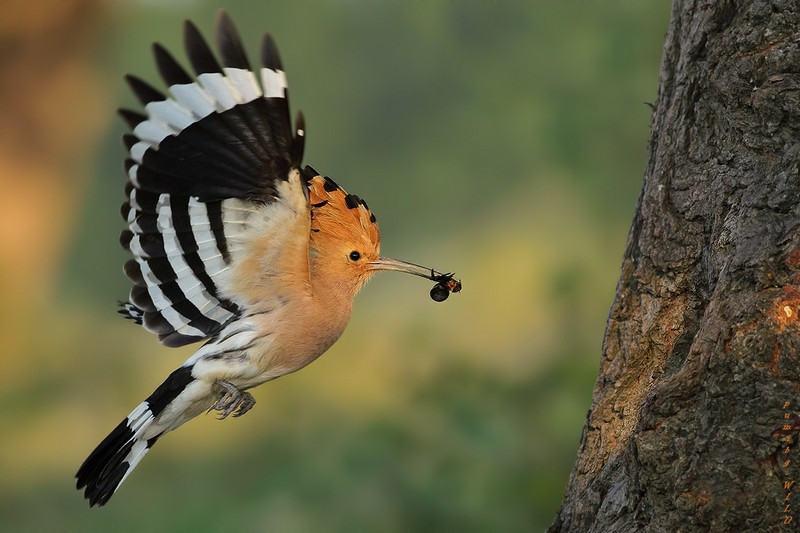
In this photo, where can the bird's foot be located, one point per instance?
(233, 401)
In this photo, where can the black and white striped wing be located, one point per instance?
(202, 159)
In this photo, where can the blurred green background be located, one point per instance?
(504, 140)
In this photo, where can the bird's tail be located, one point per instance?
(115, 458)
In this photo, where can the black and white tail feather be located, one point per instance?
(115, 458)
(201, 161)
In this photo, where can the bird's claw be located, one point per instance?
(233, 401)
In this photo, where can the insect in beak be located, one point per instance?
(445, 284)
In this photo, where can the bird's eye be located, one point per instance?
(355, 256)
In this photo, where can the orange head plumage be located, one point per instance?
(345, 241)
(344, 233)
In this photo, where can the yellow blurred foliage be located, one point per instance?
(52, 107)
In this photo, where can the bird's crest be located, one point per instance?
(335, 212)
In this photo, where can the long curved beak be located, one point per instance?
(445, 280)
(386, 263)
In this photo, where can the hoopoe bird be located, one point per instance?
(233, 243)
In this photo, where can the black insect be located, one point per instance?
(439, 293)
(445, 284)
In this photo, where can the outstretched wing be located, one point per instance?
(204, 160)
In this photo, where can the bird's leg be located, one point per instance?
(233, 400)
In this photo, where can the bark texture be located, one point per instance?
(687, 431)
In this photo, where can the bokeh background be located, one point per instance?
(505, 140)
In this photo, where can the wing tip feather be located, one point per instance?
(200, 55)
(171, 71)
(145, 92)
(229, 42)
(270, 58)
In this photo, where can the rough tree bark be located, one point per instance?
(701, 356)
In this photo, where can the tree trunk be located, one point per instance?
(693, 425)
